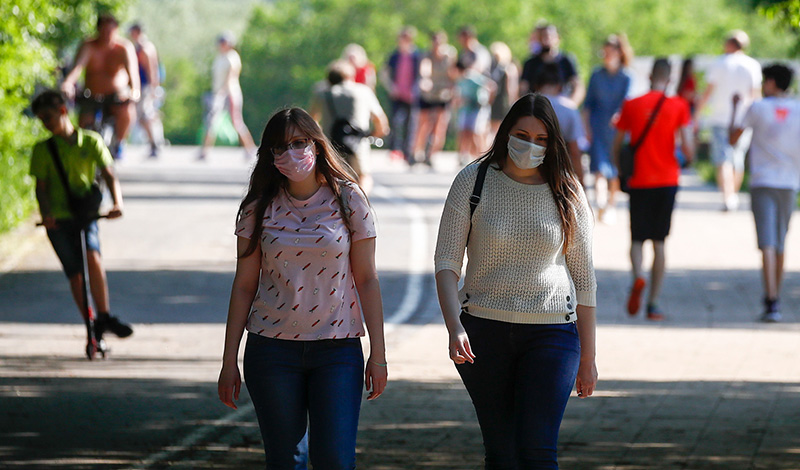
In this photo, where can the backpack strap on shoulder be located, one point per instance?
(475, 198)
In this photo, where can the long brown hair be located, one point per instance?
(266, 180)
(556, 169)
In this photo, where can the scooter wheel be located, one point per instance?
(91, 350)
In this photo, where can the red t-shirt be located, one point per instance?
(655, 165)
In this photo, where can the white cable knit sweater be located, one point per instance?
(517, 271)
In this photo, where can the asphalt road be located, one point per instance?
(709, 388)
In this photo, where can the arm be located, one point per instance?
(425, 71)
(81, 59)
(385, 77)
(116, 191)
(454, 229)
(380, 123)
(370, 77)
(315, 110)
(44, 205)
(587, 370)
(491, 87)
(585, 119)
(578, 90)
(616, 146)
(447, 290)
(362, 261)
(132, 67)
(243, 291)
(733, 135)
(581, 268)
(152, 65)
(687, 142)
(512, 82)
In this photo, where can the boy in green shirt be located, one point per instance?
(81, 152)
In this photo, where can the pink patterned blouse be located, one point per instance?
(306, 288)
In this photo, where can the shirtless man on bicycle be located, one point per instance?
(111, 84)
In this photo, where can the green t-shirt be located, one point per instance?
(80, 162)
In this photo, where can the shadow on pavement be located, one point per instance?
(627, 425)
(73, 423)
(157, 296)
(690, 298)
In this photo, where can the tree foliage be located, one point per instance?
(288, 43)
(786, 13)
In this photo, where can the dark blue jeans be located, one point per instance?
(404, 128)
(299, 384)
(519, 384)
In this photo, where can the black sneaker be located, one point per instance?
(105, 323)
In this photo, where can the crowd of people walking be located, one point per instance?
(522, 325)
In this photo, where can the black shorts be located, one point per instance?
(432, 104)
(651, 212)
(93, 104)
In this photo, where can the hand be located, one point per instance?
(460, 349)
(49, 222)
(229, 385)
(115, 212)
(587, 378)
(375, 377)
(69, 90)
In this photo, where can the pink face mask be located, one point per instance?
(297, 164)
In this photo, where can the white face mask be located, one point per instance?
(524, 154)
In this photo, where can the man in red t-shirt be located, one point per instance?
(654, 182)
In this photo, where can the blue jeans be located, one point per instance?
(519, 384)
(299, 384)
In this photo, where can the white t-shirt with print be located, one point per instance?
(775, 149)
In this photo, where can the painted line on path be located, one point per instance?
(417, 257)
(194, 437)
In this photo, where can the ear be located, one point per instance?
(62, 110)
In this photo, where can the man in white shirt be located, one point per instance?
(732, 74)
(774, 175)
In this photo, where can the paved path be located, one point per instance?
(708, 388)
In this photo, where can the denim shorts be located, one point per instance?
(723, 152)
(66, 241)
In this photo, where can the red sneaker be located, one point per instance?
(635, 299)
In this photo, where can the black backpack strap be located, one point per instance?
(62, 174)
(478, 188)
(331, 105)
(475, 198)
(635, 147)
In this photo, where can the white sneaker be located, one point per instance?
(732, 203)
(609, 216)
(771, 317)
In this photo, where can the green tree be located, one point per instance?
(786, 13)
(288, 43)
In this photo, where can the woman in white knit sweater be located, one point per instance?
(522, 327)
